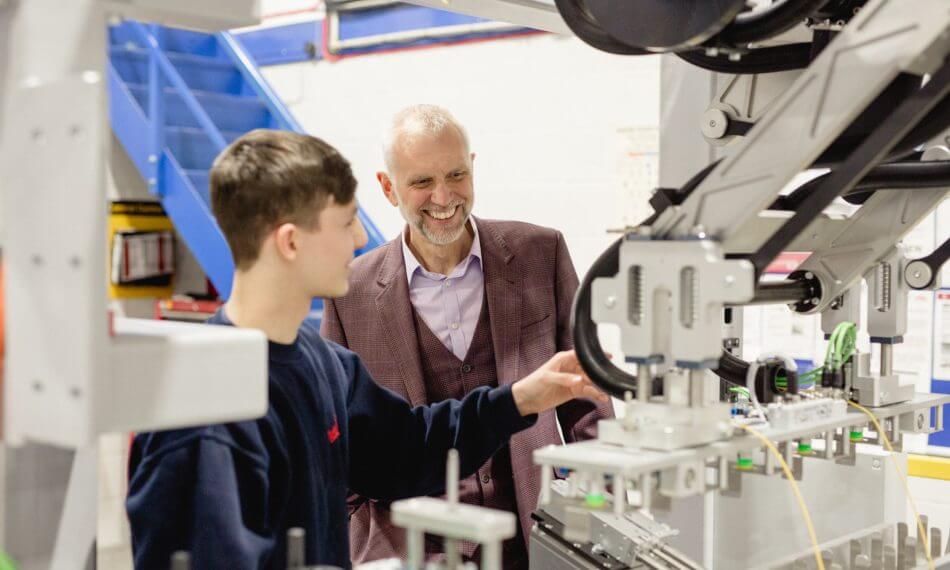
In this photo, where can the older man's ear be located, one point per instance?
(386, 183)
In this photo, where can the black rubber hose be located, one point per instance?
(732, 369)
(591, 355)
(760, 60)
(767, 24)
(891, 176)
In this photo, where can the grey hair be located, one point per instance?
(419, 120)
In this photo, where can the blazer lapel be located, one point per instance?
(396, 322)
(503, 293)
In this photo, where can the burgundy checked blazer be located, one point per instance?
(529, 288)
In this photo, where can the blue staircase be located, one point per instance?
(176, 99)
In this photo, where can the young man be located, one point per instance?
(452, 304)
(228, 493)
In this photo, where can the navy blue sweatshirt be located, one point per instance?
(228, 493)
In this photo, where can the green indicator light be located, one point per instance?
(595, 500)
(6, 563)
(804, 448)
(857, 435)
(744, 464)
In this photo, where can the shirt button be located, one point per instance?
(486, 478)
(448, 283)
(466, 368)
(455, 326)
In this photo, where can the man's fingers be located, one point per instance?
(563, 361)
(595, 394)
(579, 385)
(566, 379)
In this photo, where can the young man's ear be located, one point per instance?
(386, 183)
(285, 240)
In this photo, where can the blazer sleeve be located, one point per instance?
(579, 417)
(331, 328)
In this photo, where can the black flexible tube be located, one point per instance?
(760, 60)
(732, 369)
(767, 24)
(591, 355)
(891, 176)
(901, 176)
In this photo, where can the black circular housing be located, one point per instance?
(663, 25)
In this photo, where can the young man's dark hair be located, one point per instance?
(228, 493)
(269, 177)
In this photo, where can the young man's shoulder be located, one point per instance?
(327, 349)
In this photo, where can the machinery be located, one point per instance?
(72, 369)
(797, 105)
(857, 93)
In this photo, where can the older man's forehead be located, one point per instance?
(414, 141)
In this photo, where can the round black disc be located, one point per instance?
(663, 25)
(585, 27)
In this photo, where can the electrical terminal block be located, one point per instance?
(787, 415)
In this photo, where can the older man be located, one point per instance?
(455, 303)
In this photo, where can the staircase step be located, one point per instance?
(199, 72)
(229, 113)
(171, 40)
(193, 147)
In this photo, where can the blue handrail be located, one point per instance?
(257, 82)
(156, 112)
(172, 75)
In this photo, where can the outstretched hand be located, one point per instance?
(557, 381)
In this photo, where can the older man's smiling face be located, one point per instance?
(432, 184)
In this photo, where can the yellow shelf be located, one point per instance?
(929, 466)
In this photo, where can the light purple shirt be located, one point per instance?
(449, 305)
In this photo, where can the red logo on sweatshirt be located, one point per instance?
(333, 433)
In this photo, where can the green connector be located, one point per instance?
(744, 464)
(595, 500)
(6, 563)
(804, 448)
(857, 435)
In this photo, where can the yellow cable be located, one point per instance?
(798, 494)
(910, 499)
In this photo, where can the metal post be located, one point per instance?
(547, 476)
(452, 477)
(296, 548)
(453, 558)
(620, 495)
(491, 555)
(887, 359)
(416, 551)
(644, 382)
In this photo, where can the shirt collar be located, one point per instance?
(412, 264)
